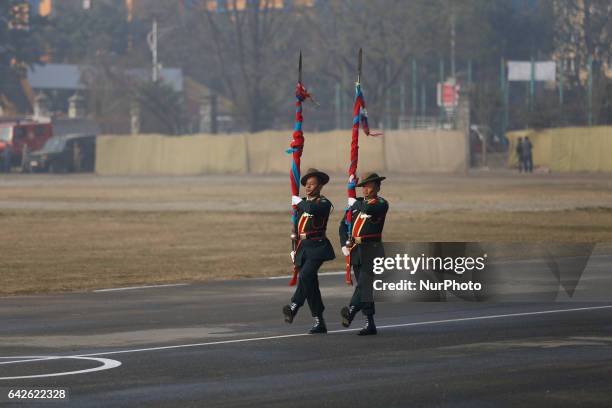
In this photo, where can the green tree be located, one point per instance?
(21, 46)
(20, 36)
(584, 29)
(161, 108)
(76, 35)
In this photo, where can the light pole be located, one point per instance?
(452, 44)
(152, 38)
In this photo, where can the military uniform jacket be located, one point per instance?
(312, 219)
(527, 147)
(368, 223)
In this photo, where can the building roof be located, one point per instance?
(172, 76)
(55, 76)
(195, 91)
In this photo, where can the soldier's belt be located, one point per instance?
(367, 238)
(310, 235)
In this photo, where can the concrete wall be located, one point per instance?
(568, 149)
(264, 153)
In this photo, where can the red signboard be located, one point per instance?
(448, 94)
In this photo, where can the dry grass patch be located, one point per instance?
(50, 251)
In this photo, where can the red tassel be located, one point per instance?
(347, 277)
(294, 277)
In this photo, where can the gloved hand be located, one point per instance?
(351, 201)
(346, 251)
(295, 200)
(292, 253)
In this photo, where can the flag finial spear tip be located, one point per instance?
(300, 68)
(359, 63)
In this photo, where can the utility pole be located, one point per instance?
(338, 106)
(469, 74)
(414, 92)
(590, 91)
(402, 103)
(423, 100)
(532, 85)
(452, 43)
(561, 82)
(387, 98)
(441, 110)
(504, 87)
(152, 41)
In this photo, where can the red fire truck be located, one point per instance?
(23, 134)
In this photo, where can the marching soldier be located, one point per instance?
(368, 215)
(313, 248)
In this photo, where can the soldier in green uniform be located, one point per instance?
(313, 248)
(368, 220)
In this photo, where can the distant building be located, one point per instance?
(47, 7)
(59, 82)
(70, 77)
(228, 5)
(42, 7)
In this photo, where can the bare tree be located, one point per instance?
(583, 29)
(250, 43)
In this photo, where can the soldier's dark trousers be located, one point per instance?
(363, 284)
(528, 164)
(308, 287)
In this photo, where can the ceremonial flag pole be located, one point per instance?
(296, 148)
(360, 116)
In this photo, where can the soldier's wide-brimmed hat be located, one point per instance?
(370, 177)
(324, 178)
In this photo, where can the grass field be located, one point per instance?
(83, 232)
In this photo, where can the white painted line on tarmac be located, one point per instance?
(285, 336)
(320, 274)
(107, 364)
(464, 319)
(140, 287)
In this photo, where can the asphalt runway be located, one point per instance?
(224, 344)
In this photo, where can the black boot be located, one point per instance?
(319, 326)
(369, 328)
(348, 314)
(290, 311)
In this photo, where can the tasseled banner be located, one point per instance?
(296, 148)
(360, 115)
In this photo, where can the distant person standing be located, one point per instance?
(527, 156)
(519, 154)
(7, 157)
(25, 151)
(25, 159)
(77, 158)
